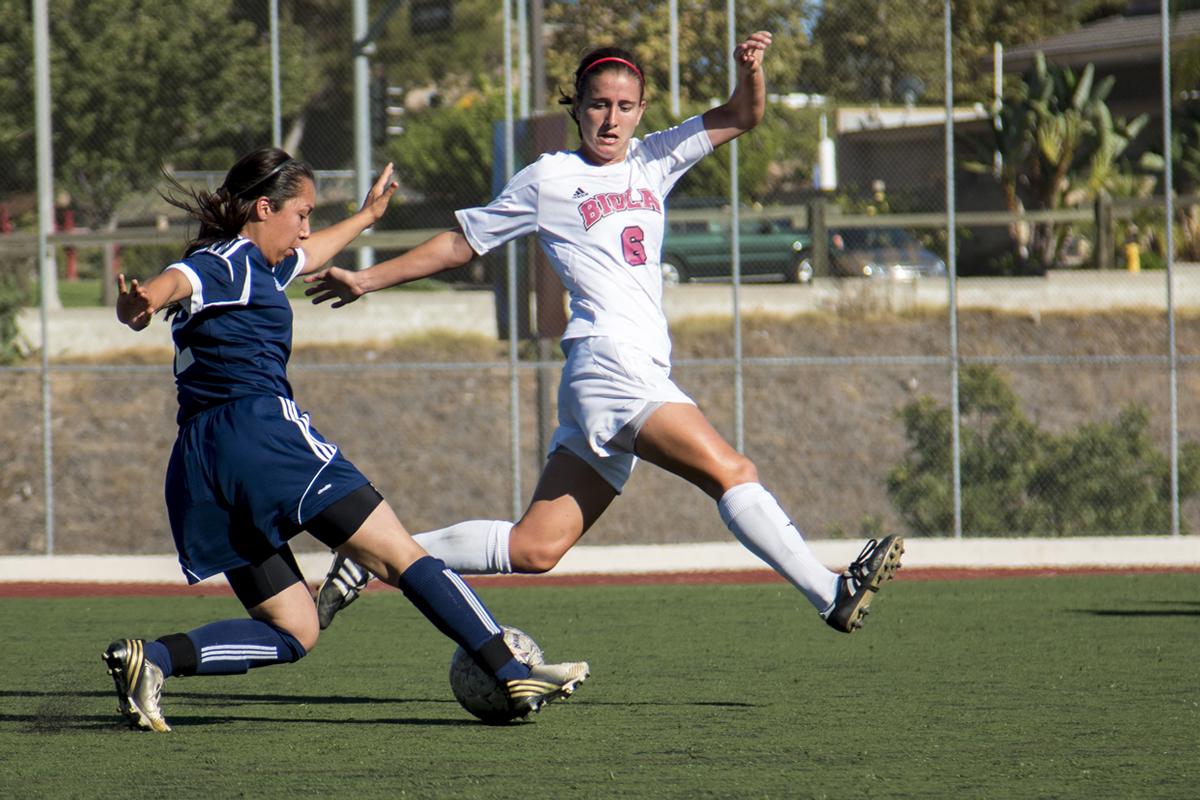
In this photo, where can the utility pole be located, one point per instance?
(366, 31)
(537, 18)
(364, 48)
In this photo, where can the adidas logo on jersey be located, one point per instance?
(578, 194)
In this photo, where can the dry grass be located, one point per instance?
(436, 441)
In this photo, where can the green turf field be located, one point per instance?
(1037, 687)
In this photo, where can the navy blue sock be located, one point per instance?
(233, 646)
(450, 604)
(157, 654)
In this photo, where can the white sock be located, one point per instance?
(756, 520)
(474, 547)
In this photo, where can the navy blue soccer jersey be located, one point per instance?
(233, 336)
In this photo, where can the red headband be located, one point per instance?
(629, 64)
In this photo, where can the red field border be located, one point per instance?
(48, 589)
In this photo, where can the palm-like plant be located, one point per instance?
(1059, 145)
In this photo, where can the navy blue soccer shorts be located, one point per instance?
(244, 478)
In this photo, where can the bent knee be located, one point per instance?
(537, 557)
(537, 562)
(736, 471)
(306, 645)
(299, 634)
(302, 639)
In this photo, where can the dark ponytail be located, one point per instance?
(268, 172)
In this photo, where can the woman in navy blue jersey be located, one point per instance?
(248, 471)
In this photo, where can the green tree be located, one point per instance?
(14, 295)
(643, 29)
(461, 135)
(784, 143)
(17, 151)
(781, 147)
(137, 85)
(465, 56)
(1102, 478)
(1107, 477)
(998, 446)
(316, 71)
(874, 51)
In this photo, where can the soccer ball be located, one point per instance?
(477, 690)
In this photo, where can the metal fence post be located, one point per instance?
(1105, 239)
(819, 231)
(1169, 180)
(739, 389)
(46, 264)
(952, 270)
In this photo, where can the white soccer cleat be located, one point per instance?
(545, 684)
(139, 684)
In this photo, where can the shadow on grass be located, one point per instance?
(209, 698)
(42, 723)
(61, 719)
(1180, 608)
(214, 697)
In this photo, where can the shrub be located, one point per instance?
(14, 295)
(1104, 478)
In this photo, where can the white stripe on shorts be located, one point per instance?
(322, 450)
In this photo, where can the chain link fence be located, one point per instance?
(962, 302)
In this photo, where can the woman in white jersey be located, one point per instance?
(599, 215)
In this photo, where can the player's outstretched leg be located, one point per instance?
(545, 684)
(857, 586)
(139, 684)
(341, 587)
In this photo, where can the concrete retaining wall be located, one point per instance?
(1112, 552)
(385, 316)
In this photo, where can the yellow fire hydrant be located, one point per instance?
(1133, 257)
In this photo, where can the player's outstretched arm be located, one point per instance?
(745, 106)
(137, 302)
(324, 244)
(444, 251)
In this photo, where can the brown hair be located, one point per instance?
(590, 66)
(268, 172)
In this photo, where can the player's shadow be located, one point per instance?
(1178, 608)
(673, 703)
(49, 723)
(58, 715)
(227, 697)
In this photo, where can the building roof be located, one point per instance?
(851, 119)
(1108, 41)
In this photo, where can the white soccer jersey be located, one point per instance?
(602, 229)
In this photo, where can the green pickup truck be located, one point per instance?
(700, 250)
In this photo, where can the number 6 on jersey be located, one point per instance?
(632, 247)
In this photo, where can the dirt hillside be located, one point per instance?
(435, 439)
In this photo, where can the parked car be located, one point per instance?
(698, 250)
(878, 253)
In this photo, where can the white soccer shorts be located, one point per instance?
(607, 391)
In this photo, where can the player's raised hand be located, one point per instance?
(748, 55)
(133, 304)
(377, 199)
(335, 284)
